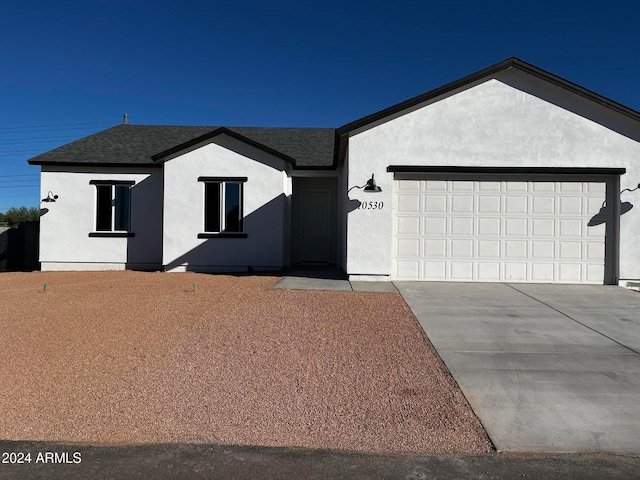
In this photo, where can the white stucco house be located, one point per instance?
(509, 174)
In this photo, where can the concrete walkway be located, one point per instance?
(323, 278)
(547, 368)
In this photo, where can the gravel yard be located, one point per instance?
(131, 357)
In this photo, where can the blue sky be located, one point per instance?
(72, 68)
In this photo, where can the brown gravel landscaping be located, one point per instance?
(131, 357)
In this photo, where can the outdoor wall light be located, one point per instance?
(369, 187)
(50, 197)
(630, 189)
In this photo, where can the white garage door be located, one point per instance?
(498, 230)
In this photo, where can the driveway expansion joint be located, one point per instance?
(573, 319)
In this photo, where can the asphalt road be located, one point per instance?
(178, 462)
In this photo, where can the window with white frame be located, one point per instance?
(113, 205)
(223, 205)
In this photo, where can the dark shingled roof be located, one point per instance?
(133, 145)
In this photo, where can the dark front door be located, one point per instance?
(315, 226)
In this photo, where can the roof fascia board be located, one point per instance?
(425, 97)
(217, 132)
(94, 164)
(575, 88)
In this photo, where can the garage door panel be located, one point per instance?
(408, 269)
(489, 271)
(488, 186)
(462, 226)
(593, 206)
(435, 248)
(434, 270)
(462, 248)
(542, 272)
(516, 227)
(461, 271)
(516, 249)
(435, 204)
(462, 204)
(516, 186)
(435, 185)
(543, 227)
(594, 273)
(516, 204)
(489, 204)
(570, 272)
(489, 249)
(489, 226)
(544, 187)
(570, 228)
(408, 248)
(486, 230)
(542, 250)
(570, 250)
(435, 226)
(543, 205)
(409, 203)
(408, 225)
(570, 187)
(596, 231)
(595, 251)
(516, 271)
(571, 206)
(409, 186)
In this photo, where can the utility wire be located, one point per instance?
(23, 175)
(50, 125)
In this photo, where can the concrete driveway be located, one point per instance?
(547, 368)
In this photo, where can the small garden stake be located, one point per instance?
(44, 287)
(194, 286)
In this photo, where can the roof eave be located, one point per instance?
(93, 164)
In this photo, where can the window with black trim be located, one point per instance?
(223, 205)
(113, 206)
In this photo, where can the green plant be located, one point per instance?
(15, 215)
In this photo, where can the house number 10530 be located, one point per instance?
(371, 205)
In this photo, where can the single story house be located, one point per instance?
(511, 174)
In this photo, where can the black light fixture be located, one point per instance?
(369, 187)
(50, 197)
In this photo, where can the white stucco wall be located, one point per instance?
(64, 229)
(265, 209)
(512, 120)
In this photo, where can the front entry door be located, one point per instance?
(315, 227)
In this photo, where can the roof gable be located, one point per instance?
(465, 82)
(301, 147)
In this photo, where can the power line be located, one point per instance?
(23, 141)
(23, 175)
(18, 182)
(52, 125)
(15, 195)
(18, 152)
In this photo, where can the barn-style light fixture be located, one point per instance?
(50, 197)
(369, 187)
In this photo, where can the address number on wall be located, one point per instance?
(371, 205)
